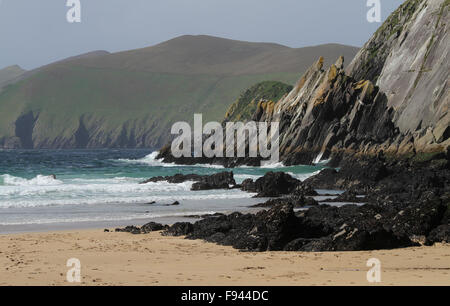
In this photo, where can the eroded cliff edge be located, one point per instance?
(393, 97)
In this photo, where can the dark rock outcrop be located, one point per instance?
(129, 229)
(174, 179)
(295, 201)
(407, 202)
(152, 227)
(178, 229)
(145, 229)
(439, 234)
(272, 184)
(319, 229)
(348, 196)
(267, 230)
(222, 180)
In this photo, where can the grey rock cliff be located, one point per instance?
(393, 97)
(408, 59)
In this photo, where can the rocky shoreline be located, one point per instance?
(384, 125)
(407, 203)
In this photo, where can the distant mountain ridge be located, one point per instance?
(130, 99)
(204, 54)
(9, 74)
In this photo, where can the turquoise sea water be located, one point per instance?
(102, 187)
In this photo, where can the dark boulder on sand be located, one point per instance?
(439, 235)
(152, 227)
(348, 228)
(267, 230)
(178, 229)
(323, 228)
(417, 219)
(145, 229)
(129, 229)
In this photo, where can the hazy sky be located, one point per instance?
(36, 32)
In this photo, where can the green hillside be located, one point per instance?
(131, 99)
(245, 106)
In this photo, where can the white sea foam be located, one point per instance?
(23, 187)
(278, 165)
(242, 177)
(118, 200)
(303, 176)
(151, 160)
(107, 218)
(318, 158)
(273, 165)
(40, 180)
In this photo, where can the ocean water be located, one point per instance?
(101, 188)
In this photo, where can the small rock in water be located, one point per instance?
(173, 204)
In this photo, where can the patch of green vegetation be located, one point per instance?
(376, 50)
(425, 157)
(245, 105)
(393, 23)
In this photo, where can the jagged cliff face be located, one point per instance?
(410, 52)
(328, 110)
(393, 97)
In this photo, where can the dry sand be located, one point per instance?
(125, 259)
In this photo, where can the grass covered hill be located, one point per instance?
(131, 99)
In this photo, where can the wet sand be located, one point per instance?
(125, 259)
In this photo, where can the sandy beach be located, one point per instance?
(109, 258)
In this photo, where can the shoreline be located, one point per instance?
(109, 258)
(150, 213)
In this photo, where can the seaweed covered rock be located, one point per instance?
(267, 230)
(145, 229)
(178, 229)
(295, 201)
(152, 227)
(439, 234)
(304, 190)
(129, 229)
